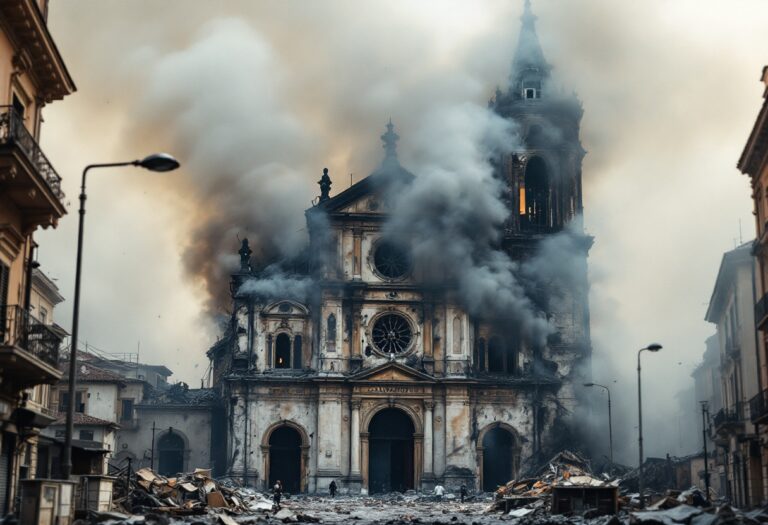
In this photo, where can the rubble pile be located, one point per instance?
(187, 494)
(533, 494)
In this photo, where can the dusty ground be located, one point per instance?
(389, 509)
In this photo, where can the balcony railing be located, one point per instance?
(758, 407)
(761, 311)
(21, 330)
(727, 417)
(13, 131)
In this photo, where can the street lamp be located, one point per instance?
(157, 162)
(610, 424)
(653, 347)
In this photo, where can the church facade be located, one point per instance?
(383, 383)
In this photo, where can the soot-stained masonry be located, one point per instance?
(379, 364)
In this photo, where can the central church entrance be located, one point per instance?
(285, 459)
(390, 456)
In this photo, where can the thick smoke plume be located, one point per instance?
(225, 118)
(452, 214)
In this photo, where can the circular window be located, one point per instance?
(391, 261)
(392, 334)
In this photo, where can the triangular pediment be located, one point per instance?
(389, 372)
(366, 195)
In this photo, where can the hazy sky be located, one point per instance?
(255, 99)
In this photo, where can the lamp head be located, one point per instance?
(159, 162)
(653, 347)
(589, 384)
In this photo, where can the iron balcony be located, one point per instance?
(758, 407)
(728, 419)
(26, 174)
(29, 349)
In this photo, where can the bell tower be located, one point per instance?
(544, 176)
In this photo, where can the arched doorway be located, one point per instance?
(498, 458)
(390, 453)
(285, 458)
(170, 448)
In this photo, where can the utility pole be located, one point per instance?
(152, 451)
(704, 417)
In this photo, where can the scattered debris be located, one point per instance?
(187, 494)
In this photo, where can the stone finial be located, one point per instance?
(325, 186)
(245, 256)
(390, 139)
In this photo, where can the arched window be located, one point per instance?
(297, 360)
(534, 196)
(283, 351)
(458, 335)
(331, 332)
(480, 354)
(496, 355)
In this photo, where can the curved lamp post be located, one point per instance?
(653, 347)
(610, 423)
(157, 162)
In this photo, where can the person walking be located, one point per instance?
(277, 493)
(463, 492)
(332, 488)
(439, 491)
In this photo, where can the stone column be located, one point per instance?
(355, 435)
(357, 254)
(428, 468)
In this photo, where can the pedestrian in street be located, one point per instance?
(277, 493)
(439, 491)
(332, 488)
(463, 492)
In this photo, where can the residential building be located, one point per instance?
(32, 75)
(731, 309)
(97, 406)
(120, 416)
(43, 299)
(384, 377)
(707, 388)
(754, 163)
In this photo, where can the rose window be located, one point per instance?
(392, 334)
(391, 261)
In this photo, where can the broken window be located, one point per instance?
(480, 354)
(496, 355)
(127, 410)
(283, 351)
(297, 352)
(502, 355)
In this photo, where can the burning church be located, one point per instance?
(369, 361)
